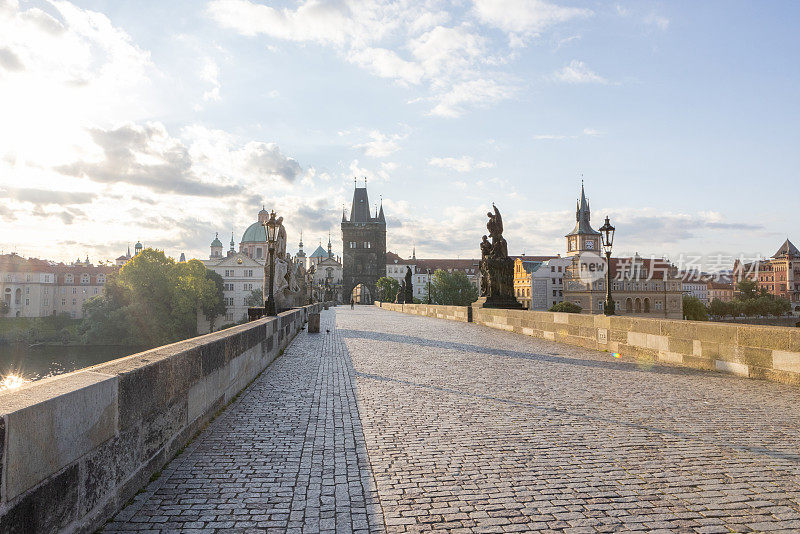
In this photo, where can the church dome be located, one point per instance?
(254, 234)
(216, 242)
(319, 253)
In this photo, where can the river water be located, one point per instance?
(20, 363)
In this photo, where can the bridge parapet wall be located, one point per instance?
(755, 351)
(453, 313)
(76, 447)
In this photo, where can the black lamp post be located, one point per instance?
(271, 231)
(429, 286)
(607, 237)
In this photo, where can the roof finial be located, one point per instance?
(365, 181)
(355, 181)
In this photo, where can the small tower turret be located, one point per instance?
(216, 247)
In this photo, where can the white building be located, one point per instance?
(423, 269)
(547, 283)
(695, 286)
(37, 288)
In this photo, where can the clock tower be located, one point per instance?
(583, 238)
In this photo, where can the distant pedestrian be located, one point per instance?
(352, 304)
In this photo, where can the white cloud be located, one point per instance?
(578, 72)
(461, 164)
(474, 93)
(387, 64)
(210, 74)
(525, 16)
(588, 132)
(412, 42)
(380, 144)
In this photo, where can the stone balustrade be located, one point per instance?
(75, 448)
(766, 352)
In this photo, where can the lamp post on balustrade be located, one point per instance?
(607, 238)
(271, 231)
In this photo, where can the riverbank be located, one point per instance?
(31, 330)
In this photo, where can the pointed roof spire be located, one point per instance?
(381, 217)
(787, 250)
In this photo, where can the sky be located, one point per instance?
(167, 122)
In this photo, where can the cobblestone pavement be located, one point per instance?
(408, 423)
(477, 430)
(288, 455)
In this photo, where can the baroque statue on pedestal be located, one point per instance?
(497, 269)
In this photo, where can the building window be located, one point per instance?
(84, 278)
(74, 290)
(248, 273)
(63, 302)
(68, 278)
(27, 302)
(46, 302)
(74, 302)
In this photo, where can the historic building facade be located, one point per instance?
(778, 275)
(643, 287)
(539, 280)
(37, 288)
(242, 271)
(364, 248)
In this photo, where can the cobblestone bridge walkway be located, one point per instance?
(396, 423)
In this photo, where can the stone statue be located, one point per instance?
(497, 269)
(408, 296)
(401, 293)
(280, 240)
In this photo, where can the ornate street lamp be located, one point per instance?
(607, 238)
(429, 286)
(271, 230)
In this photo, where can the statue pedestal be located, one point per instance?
(506, 303)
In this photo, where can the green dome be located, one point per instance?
(319, 253)
(254, 233)
(216, 242)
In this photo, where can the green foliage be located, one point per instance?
(719, 309)
(152, 301)
(750, 304)
(748, 289)
(694, 309)
(59, 328)
(255, 298)
(452, 289)
(566, 307)
(387, 289)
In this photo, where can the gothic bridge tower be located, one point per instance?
(364, 249)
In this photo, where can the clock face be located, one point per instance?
(590, 245)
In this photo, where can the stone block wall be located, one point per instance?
(453, 313)
(767, 352)
(76, 447)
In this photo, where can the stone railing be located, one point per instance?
(768, 352)
(75, 448)
(454, 313)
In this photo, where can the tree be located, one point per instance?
(748, 289)
(152, 301)
(720, 309)
(452, 289)
(566, 307)
(694, 309)
(255, 298)
(387, 289)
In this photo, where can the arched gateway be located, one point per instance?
(363, 248)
